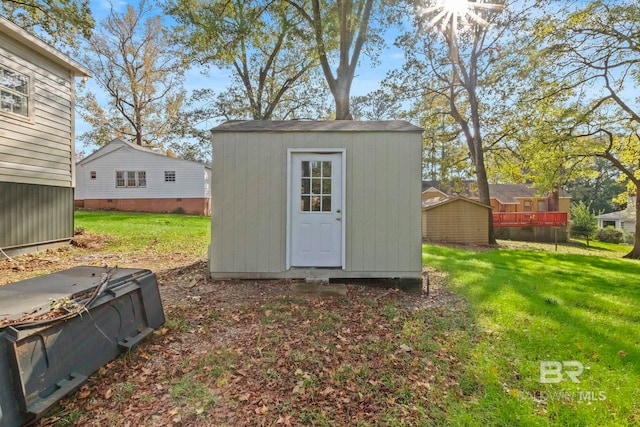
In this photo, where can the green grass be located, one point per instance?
(155, 233)
(533, 306)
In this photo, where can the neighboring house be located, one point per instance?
(622, 220)
(127, 177)
(37, 170)
(519, 212)
(455, 220)
(316, 199)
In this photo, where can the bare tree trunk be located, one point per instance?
(341, 95)
(483, 189)
(635, 252)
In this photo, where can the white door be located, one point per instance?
(316, 210)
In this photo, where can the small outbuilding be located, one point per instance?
(455, 220)
(316, 200)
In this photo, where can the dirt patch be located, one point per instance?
(93, 242)
(254, 352)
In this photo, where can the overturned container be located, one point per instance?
(57, 329)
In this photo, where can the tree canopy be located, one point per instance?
(133, 61)
(62, 21)
(580, 102)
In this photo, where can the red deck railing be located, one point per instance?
(529, 219)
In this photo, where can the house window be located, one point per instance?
(527, 205)
(542, 206)
(93, 174)
(14, 92)
(169, 176)
(131, 179)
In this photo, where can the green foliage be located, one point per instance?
(583, 221)
(62, 21)
(533, 306)
(597, 189)
(609, 235)
(267, 47)
(577, 102)
(629, 238)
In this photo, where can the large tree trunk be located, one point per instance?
(635, 252)
(341, 95)
(483, 187)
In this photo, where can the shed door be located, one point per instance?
(316, 211)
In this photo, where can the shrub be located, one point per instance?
(609, 235)
(630, 238)
(178, 211)
(583, 222)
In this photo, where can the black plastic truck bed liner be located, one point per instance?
(57, 329)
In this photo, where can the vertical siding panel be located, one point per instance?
(264, 214)
(414, 240)
(252, 207)
(240, 214)
(356, 197)
(279, 189)
(395, 211)
(382, 190)
(34, 214)
(224, 180)
(368, 207)
(279, 143)
(406, 203)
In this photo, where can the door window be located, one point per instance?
(315, 186)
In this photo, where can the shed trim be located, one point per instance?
(290, 152)
(273, 126)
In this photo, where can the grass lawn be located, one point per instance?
(532, 306)
(154, 233)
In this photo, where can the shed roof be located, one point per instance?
(316, 126)
(439, 201)
(44, 49)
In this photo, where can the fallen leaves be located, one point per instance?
(253, 353)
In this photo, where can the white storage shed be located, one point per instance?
(316, 200)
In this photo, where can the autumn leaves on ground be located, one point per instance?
(255, 352)
(245, 353)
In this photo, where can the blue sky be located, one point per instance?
(367, 78)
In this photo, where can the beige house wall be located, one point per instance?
(456, 222)
(382, 213)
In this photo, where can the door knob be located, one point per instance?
(338, 218)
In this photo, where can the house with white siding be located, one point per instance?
(127, 177)
(37, 150)
(317, 200)
(624, 220)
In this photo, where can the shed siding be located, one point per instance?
(382, 212)
(456, 222)
(34, 214)
(39, 150)
(190, 177)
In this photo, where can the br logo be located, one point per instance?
(552, 372)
